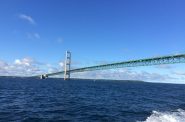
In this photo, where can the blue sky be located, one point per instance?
(94, 31)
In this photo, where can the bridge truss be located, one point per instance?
(171, 59)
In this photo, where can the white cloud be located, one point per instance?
(126, 74)
(61, 64)
(36, 35)
(33, 35)
(164, 66)
(3, 64)
(179, 73)
(24, 61)
(30, 67)
(27, 18)
(51, 68)
(21, 67)
(60, 40)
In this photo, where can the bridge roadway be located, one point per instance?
(171, 59)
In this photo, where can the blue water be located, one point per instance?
(29, 99)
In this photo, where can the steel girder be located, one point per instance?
(132, 63)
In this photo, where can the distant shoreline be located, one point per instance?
(22, 77)
(79, 79)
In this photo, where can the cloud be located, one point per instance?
(51, 68)
(60, 40)
(182, 73)
(36, 35)
(61, 64)
(164, 66)
(33, 35)
(29, 67)
(125, 74)
(101, 62)
(21, 67)
(27, 18)
(24, 62)
(3, 64)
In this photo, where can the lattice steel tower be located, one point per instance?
(67, 66)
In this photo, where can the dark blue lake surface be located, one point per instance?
(28, 99)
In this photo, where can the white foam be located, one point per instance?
(175, 116)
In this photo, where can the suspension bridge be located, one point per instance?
(170, 59)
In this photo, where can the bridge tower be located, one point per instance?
(67, 66)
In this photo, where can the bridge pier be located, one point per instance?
(43, 76)
(67, 66)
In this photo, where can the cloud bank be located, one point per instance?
(30, 67)
(126, 74)
(20, 67)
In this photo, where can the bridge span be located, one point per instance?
(170, 59)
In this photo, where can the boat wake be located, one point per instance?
(173, 116)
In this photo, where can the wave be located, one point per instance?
(173, 116)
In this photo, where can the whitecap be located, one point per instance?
(173, 116)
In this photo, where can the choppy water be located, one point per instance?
(87, 100)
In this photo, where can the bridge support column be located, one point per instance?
(43, 76)
(67, 66)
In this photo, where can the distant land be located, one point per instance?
(19, 77)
